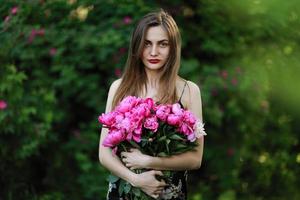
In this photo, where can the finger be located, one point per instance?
(128, 165)
(155, 196)
(159, 173)
(123, 155)
(134, 150)
(162, 187)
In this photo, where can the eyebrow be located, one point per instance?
(164, 40)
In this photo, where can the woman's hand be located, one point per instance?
(148, 183)
(134, 159)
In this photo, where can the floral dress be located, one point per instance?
(176, 189)
(177, 183)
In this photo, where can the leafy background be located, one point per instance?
(58, 58)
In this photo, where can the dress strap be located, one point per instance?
(182, 91)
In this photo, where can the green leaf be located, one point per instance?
(162, 154)
(163, 138)
(127, 187)
(134, 144)
(176, 137)
(121, 187)
(136, 192)
(167, 145)
(112, 179)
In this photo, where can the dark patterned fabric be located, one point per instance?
(176, 189)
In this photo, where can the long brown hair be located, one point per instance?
(134, 78)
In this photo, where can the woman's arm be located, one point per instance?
(146, 181)
(185, 161)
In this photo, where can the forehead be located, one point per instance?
(156, 33)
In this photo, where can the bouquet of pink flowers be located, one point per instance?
(156, 130)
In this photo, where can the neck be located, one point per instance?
(153, 77)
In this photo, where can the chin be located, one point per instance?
(153, 66)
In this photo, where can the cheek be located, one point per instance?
(166, 53)
(144, 54)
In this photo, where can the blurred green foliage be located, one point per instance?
(58, 58)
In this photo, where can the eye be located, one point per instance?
(164, 44)
(147, 44)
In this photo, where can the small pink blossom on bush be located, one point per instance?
(127, 20)
(40, 32)
(224, 74)
(230, 151)
(214, 92)
(122, 50)
(14, 10)
(118, 72)
(234, 81)
(52, 51)
(33, 33)
(6, 19)
(3, 105)
(238, 70)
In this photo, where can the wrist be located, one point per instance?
(148, 163)
(133, 179)
(153, 162)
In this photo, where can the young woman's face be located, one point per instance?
(156, 48)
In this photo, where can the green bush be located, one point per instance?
(58, 58)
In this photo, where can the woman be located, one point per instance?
(152, 71)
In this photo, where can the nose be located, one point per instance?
(154, 51)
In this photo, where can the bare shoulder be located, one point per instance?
(194, 88)
(115, 85)
(112, 91)
(193, 99)
(189, 92)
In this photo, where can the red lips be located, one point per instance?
(153, 61)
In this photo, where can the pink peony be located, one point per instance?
(150, 102)
(113, 138)
(174, 120)
(151, 123)
(186, 129)
(3, 105)
(142, 110)
(127, 104)
(176, 109)
(191, 137)
(162, 112)
(189, 118)
(107, 119)
(136, 137)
